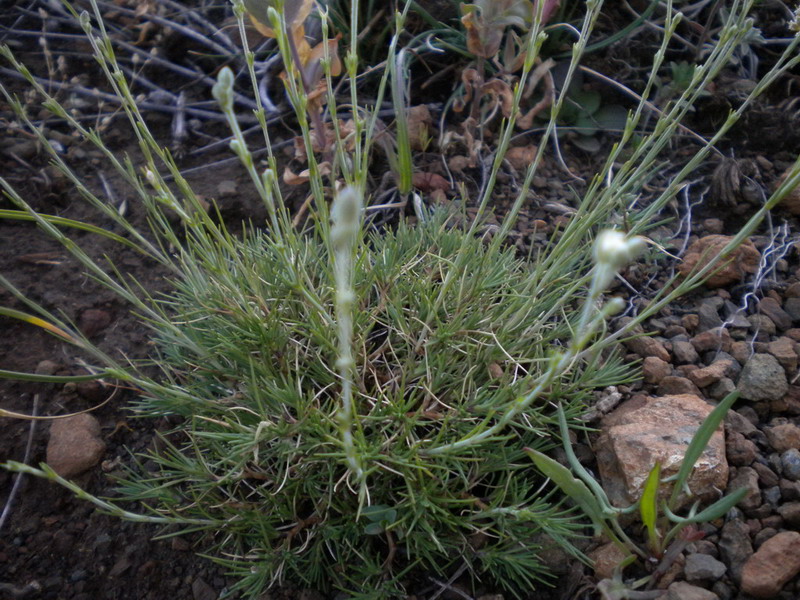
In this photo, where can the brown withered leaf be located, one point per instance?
(419, 122)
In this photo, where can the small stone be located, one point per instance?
(746, 478)
(735, 547)
(762, 324)
(92, 321)
(790, 490)
(740, 451)
(772, 566)
(763, 378)
(714, 226)
(783, 350)
(226, 188)
(672, 385)
(743, 260)
(690, 321)
(767, 478)
(741, 351)
(605, 559)
(202, 591)
(792, 308)
(684, 353)
(790, 461)
(793, 291)
(710, 374)
(709, 315)
(680, 590)
(702, 567)
(654, 369)
(763, 535)
(790, 513)
(772, 308)
(722, 388)
(783, 437)
(75, 445)
(736, 421)
(47, 367)
(648, 346)
(713, 339)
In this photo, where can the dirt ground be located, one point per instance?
(56, 546)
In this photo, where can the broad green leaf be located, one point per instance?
(648, 506)
(572, 487)
(699, 443)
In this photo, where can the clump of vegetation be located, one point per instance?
(356, 403)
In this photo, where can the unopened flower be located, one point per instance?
(615, 249)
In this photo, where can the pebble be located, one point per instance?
(790, 490)
(75, 445)
(766, 476)
(741, 351)
(654, 369)
(93, 320)
(772, 566)
(790, 513)
(762, 378)
(735, 547)
(722, 388)
(672, 385)
(227, 187)
(790, 462)
(792, 308)
(708, 312)
(713, 339)
(684, 352)
(762, 324)
(746, 478)
(783, 437)
(681, 590)
(703, 568)
(783, 350)
(740, 451)
(772, 308)
(736, 421)
(711, 374)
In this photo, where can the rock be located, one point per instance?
(746, 478)
(772, 308)
(741, 351)
(709, 314)
(680, 590)
(673, 385)
(772, 566)
(762, 324)
(654, 369)
(684, 353)
(790, 461)
(743, 260)
(739, 451)
(735, 547)
(645, 430)
(711, 374)
(646, 346)
(605, 559)
(790, 490)
(790, 513)
(690, 321)
(736, 421)
(713, 339)
(702, 567)
(722, 388)
(783, 437)
(227, 188)
(783, 350)
(792, 308)
(767, 478)
(47, 367)
(763, 378)
(75, 445)
(202, 591)
(92, 321)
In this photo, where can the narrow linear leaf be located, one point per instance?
(699, 443)
(31, 319)
(648, 506)
(715, 511)
(572, 487)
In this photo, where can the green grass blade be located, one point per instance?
(698, 445)
(648, 506)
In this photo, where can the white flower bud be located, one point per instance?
(614, 249)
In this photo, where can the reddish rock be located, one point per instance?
(672, 385)
(741, 261)
(713, 339)
(783, 437)
(773, 309)
(791, 201)
(783, 349)
(740, 451)
(605, 559)
(654, 369)
(641, 432)
(93, 321)
(710, 374)
(772, 566)
(681, 590)
(645, 346)
(75, 445)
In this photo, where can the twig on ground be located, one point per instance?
(18, 480)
